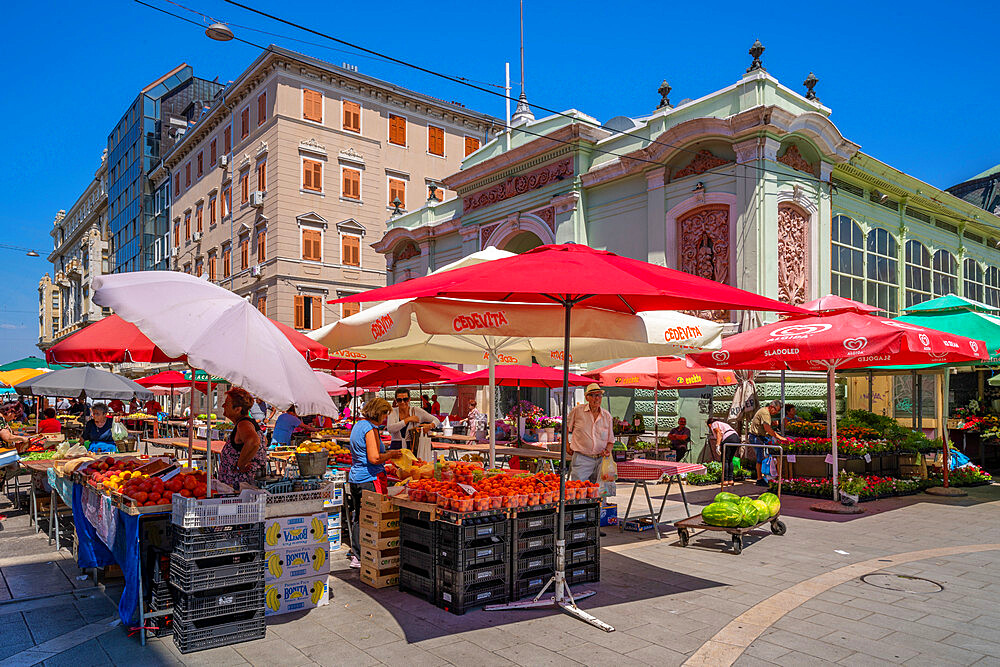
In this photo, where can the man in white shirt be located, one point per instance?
(591, 435)
(403, 415)
(63, 404)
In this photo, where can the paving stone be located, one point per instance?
(885, 609)
(87, 654)
(402, 654)
(806, 645)
(125, 651)
(336, 653)
(592, 654)
(747, 660)
(875, 648)
(765, 650)
(466, 653)
(847, 625)
(975, 644)
(46, 624)
(15, 635)
(275, 651)
(900, 625)
(657, 656)
(822, 607)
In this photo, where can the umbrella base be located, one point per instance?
(949, 491)
(567, 605)
(831, 507)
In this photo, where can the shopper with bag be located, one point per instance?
(724, 434)
(761, 433)
(402, 417)
(591, 435)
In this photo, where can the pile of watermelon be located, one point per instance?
(732, 511)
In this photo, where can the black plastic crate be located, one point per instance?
(578, 535)
(455, 535)
(584, 554)
(534, 543)
(533, 523)
(530, 584)
(202, 574)
(583, 514)
(417, 561)
(459, 602)
(586, 573)
(457, 581)
(189, 607)
(417, 536)
(196, 637)
(530, 561)
(459, 558)
(416, 584)
(218, 541)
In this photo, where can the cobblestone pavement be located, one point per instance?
(796, 599)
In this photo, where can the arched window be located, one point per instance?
(847, 255)
(991, 295)
(945, 277)
(918, 273)
(883, 274)
(973, 280)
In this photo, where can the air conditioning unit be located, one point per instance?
(196, 236)
(223, 161)
(257, 199)
(173, 252)
(255, 270)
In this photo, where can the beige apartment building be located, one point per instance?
(278, 191)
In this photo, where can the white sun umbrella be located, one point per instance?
(477, 332)
(333, 386)
(219, 332)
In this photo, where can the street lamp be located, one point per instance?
(220, 32)
(27, 251)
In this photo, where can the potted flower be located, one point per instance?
(850, 486)
(548, 426)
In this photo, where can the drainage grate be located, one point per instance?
(902, 583)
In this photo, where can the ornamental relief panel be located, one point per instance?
(704, 249)
(792, 268)
(702, 162)
(518, 185)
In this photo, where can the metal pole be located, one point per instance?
(491, 396)
(830, 387)
(945, 382)
(191, 419)
(871, 399)
(354, 397)
(208, 433)
(913, 399)
(560, 574)
(920, 403)
(782, 401)
(656, 418)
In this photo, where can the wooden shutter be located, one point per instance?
(300, 311)
(200, 164)
(177, 184)
(187, 175)
(187, 226)
(471, 145)
(261, 108)
(348, 309)
(397, 188)
(211, 267)
(262, 305)
(312, 245)
(211, 211)
(352, 184)
(261, 246)
(262, 175)
(227, 144)
(317, 312)
(397, 130)
(351, 251)
(227, 200)
(212, 153)
(245, 187)
(244, 253)
(198, 219)
(177, 234)
(312, 105)
(245, 123)
(435, 140)
(312, 175)
(352, 116)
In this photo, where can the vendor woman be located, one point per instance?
(244, 458)
(367, 469)
(97, 432)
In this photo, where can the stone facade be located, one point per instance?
(311, 180)
(79, 254)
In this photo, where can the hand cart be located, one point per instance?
(685, 527)
(641, 473)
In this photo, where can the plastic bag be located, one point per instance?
(118, 432)
(424, 450)
(606, 476)
(769, 468)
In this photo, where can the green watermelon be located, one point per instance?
(748, 515)
(773, 502)
(745, 500)
(726, 497)
(763, 511)
(722, 514)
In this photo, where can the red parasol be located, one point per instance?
(165, 379)
(524, 376)
(832, 303)
(661, 373)
(408, 374)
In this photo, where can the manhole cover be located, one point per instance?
(903, 583)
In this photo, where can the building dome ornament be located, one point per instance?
(810, 83)
(664, 91)
(522, 114)
(756, 51)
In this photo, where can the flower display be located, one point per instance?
(875, 486)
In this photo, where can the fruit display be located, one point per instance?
(726, 514)
(495, 490)
(732, 511)
(335, 451)
(772, 501)
(139, 415)
(108, 473)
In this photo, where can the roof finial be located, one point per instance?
(810, 83)
(664, 90)
(756, 51)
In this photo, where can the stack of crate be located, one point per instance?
(583, 542)
(532, 557)
(473, 562)
(217, 572)
(297, 562)
(417, 554)
(378, 538)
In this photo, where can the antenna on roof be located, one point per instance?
(522, 114)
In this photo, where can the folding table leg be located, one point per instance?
(683, 497)
(652, 516)
(663, 502)
(622, 520)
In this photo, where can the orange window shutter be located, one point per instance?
(262, 305)
(187, 227)
(187, 174)
(245, 123)
(262, 175)
(261, 246)
(261, 109)
(198, 216)
(177, 234)
(317, 312)
(200, 170)
(471, 145)
(300, 311)
(212, 153)
(211, 267)
(211, 211)
(228, 136)
(348, 309)
(244, 253)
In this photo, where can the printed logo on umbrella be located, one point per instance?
(975, 346)
(924, 340)
(721, 356)
(501, 358)
(856, 344)
(349, 354)
(483, 320)
(629, 380)
(559, 355)
(381, 326)
(681, 333)
(800, 330)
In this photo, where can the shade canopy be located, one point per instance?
(29, 362)
(832, 303)
(407, 375)
(341, 363)
(970, 323)
(660, 373)
(334, 386)
(18, 375)
(952, 302)
(81, 382)
(219, 332)
(554, 272)
(165, 379)
(524, 376)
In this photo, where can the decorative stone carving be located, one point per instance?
(704, 248)
(312, 146)
(351, 155)
(518, 185)
(406, 251)
(485, 232)
(792, 268)
(549, 216)
(701, 163)
(794, 159)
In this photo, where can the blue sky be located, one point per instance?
(914, 83)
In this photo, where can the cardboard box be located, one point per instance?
(383, 525)
(336, 501)
(377, 502)
(369, 537)
(384, 559)
(334, 542)
(290, 531)
(308, 560)
(282, 597)
(639, 525)
(379, 579)
(333, 518)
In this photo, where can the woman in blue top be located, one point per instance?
(98, 430)
(287, 423)
(367, 469)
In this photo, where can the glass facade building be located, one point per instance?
(156, 119)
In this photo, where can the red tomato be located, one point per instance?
(154, 496)
(189, 482)
(185, 492)
(200, 491)
(166, 497)
(141, 496)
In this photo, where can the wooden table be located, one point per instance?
(501, 450)
(642, 472)
(179, 445)
(454, 437)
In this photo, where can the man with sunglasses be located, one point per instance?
(591, 435)
(403, 416)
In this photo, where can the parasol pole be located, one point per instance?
(191, 419)
(782, 401)
(945, 382)
(833, 424)
(871, 399)
(656, 417)
(208, 433)
(354, 396)
(491, 393)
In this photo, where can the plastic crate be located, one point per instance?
(248, 507)
(581, 574)
(529, 562)
(202, 574)
(458, 558)
(582, 535)
(417, 561)
(416, 532)
(193, 637)
(583, 514)
(585, 554)
(326, 491)
(457, 581)
(529, 584)
(537, 522)
(190, 607)
(472, 533)
(218, 540)
(534, 543)
(477, 596)
(416, 584)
